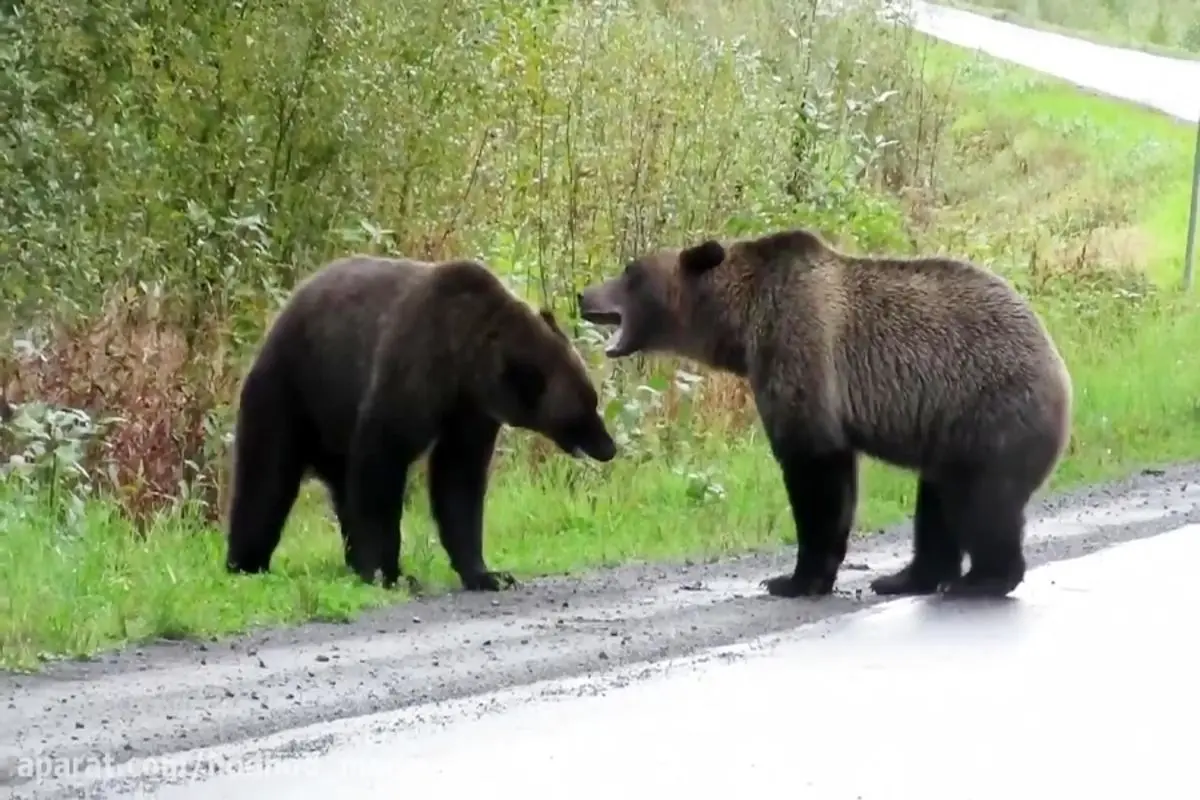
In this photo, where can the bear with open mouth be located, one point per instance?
(931, 364)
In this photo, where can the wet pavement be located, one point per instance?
(1030, 692)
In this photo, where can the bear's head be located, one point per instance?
(545, 387)
(672, 301)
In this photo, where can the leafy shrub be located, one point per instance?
(170, 170)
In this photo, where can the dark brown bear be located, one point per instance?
(371, 362)
(930, 364)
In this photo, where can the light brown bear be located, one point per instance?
(930, 364)
(373, 362)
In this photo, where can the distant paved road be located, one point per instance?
(1171, 85)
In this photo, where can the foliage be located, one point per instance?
(171, 169)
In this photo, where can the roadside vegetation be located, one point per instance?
(169, 173)
(1166, 27)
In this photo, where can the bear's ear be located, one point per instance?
(548, 317)
(525, 380)
(701, 258)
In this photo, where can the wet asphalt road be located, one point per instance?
(168, 698)
(917, 699)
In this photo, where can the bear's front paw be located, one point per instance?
(392, 582)
(799, 585)
(489, 581)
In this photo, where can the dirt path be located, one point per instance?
(172, 697)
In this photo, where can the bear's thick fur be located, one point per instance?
(373, 361)
(930, 364)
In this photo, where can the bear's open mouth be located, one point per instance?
(602, 317)
(616, 344)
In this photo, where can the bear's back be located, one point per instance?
(938, 316)
(930, 346)
(334, 319)
(323, 342)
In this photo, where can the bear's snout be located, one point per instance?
(602, 448)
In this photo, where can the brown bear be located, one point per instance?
(372, 362)
(930, 364)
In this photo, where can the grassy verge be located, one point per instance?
(1073, 196)
(1164, 27)
(105, 584)
(1035, 152)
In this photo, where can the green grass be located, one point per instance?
(1037, 167)
(1164, 27)
(1044, 154)
(102, 585)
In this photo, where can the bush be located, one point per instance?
(170, 170)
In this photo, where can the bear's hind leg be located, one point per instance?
(268, 467)
(458, 478)
(937, 553)
(375, 481)
(822, 491)
(986, 509)
(337, 497)
(332, 472)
